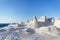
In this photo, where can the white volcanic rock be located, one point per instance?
(32, 24)
(57, 23)
(53, 20)
(43, 19)
(35, 22)
(29, 24)
(47, 30)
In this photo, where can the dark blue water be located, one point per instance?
(4, 24)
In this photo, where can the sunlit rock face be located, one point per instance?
(35, 22)
(53, 20)
(43, 19)
(57, 23)
(47, 30)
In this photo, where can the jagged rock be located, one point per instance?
(57, 23)
(43, 19)
(35, 22)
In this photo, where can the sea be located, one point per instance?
(4, 24)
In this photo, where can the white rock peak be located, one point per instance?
(35, 22)
(43, 19)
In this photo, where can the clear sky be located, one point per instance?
(17, 10)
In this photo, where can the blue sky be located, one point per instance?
(21, 10)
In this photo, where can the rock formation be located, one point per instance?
(43, 19)
(47, 30)
(35, 22)
(57, 23)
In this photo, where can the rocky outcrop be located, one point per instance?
(57, 23)
(43, 19)
(35, 22)
(47, 30)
